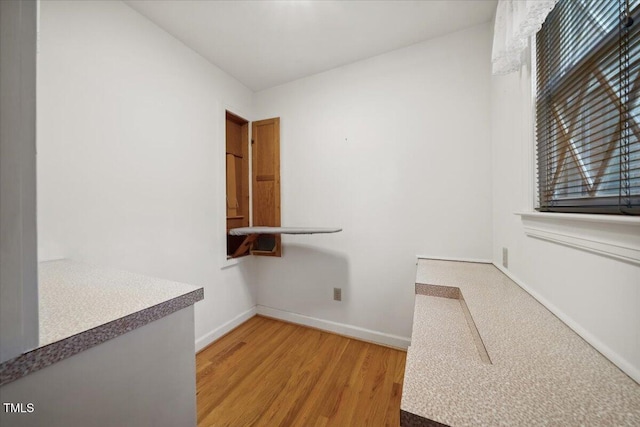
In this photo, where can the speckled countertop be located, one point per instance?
(75, 297)
(540, 372)
(81, 306)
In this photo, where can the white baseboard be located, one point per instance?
(338, 328)
(207, 339)
(607, 352)
(480, 260)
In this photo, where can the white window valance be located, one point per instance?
(516, 21)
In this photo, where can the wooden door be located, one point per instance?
(265, 152)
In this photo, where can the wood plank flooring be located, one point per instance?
(271, 373)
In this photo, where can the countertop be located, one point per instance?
(75, 297)
(538, 371)
(81, 306)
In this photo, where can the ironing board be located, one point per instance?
(246, 231)
(252, 234)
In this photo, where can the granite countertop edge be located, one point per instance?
(47, 355)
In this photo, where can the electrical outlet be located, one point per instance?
(337, 294)
(505, 257)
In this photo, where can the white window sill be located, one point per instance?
(230, 262)
(612, 236)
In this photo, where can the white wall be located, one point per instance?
(597, 296)
(130, 123)
(395, 150)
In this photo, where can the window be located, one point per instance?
(588, 107)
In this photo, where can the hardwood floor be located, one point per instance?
(271, 373)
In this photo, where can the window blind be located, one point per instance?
(588, 107)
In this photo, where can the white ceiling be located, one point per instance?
(266, 43)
